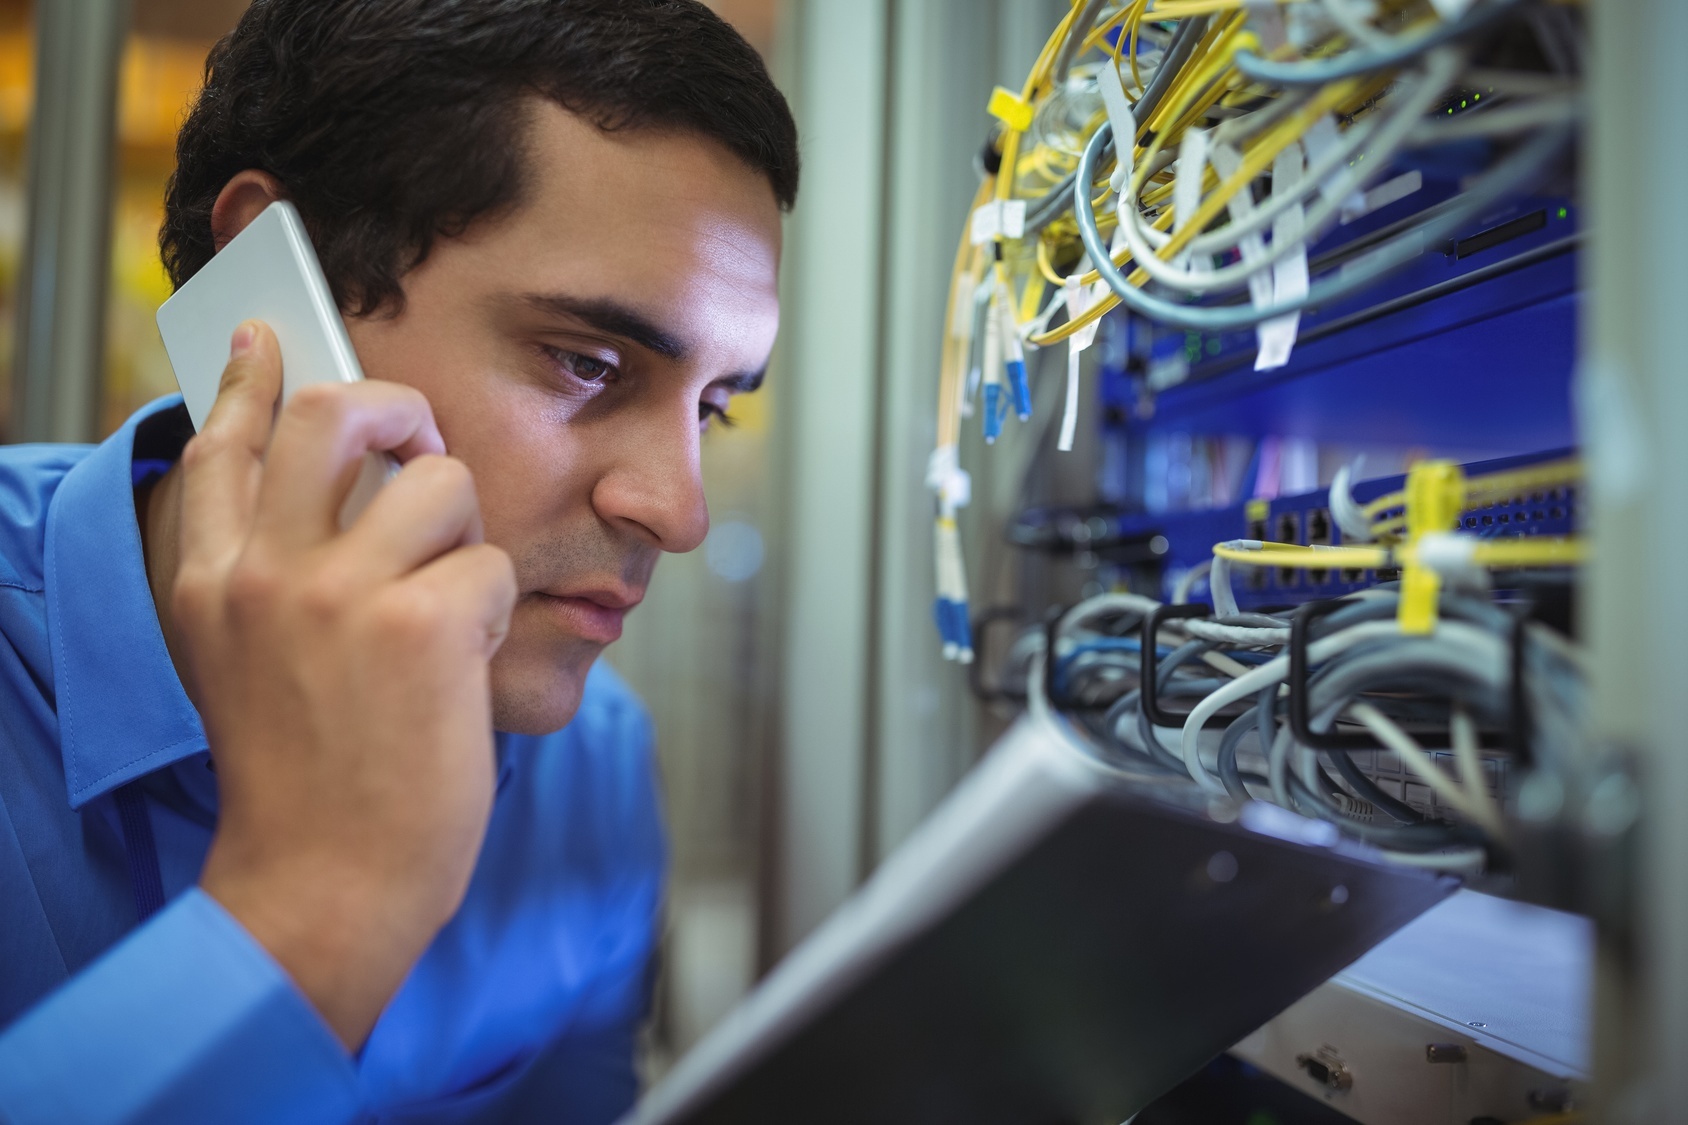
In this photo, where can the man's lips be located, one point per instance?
(592, 615)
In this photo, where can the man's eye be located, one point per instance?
(708, 412)
(583, 367)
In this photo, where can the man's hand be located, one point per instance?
(342, 677)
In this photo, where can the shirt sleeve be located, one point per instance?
(186, 1020)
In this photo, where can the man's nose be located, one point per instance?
(652, 482)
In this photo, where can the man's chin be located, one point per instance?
(535, 695)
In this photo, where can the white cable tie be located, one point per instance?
(1000, 218)
(1447, 553)
(946, 477)
(959, 488)
(1013, 218)
(940, 465)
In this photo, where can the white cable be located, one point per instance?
(1219, 588)
(1354, 23)
(1250, 635)
(1277, 769)
(1109, 603)
(1413, 756)
(1344, 509)
(1468, 861)
(1466, 752)
(1218, 660)
(1037, 706)
(1275, 670)
(1503, 120)
(1187, 582)
(1387, 133)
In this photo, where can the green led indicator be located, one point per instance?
(1564, 213)
(1450, 111)
(1476, 97)
(1462, 105)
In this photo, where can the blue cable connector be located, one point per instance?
(995, 408)
(1022, 389)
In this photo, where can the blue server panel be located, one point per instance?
(1467, 354)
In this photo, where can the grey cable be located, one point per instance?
(1503, 120)
(1352, 63)
(1178, 53)
(1388, 133)
(1511, 174)
(1076, 31)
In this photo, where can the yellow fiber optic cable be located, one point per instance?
(1305, 558)
(1530, 551)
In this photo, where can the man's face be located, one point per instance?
(574, 350)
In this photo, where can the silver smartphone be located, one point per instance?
(267, 272)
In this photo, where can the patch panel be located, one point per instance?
(1305, 519)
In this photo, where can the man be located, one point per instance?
(261, 856)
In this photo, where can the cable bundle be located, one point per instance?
(1253, 131)
(1274, 707)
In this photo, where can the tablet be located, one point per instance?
(1055, 944)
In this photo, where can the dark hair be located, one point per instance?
(394, 122)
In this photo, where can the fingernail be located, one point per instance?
(242, 341)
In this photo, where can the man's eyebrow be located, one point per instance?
(616, 319)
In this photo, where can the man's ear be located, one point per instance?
(242, 200)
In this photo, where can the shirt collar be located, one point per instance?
(122, 711)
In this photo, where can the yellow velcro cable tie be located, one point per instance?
(1011, 109)
(1435, 494)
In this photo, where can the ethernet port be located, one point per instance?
(1287, 530)
(1318, 526)
(1256, 574)
(1319, 533)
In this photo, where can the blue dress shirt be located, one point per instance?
(526, 1005)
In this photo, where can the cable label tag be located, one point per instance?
(1289, 274)
(1079, 299)
(1120, 117)
(1266, 17)
(1000, 218)
(1451, 10)
(1361, 204)
(946, 477)
(1187, 188)
(1320, 138)
(1226, 161)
